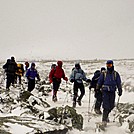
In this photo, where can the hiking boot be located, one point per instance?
(104, 123)
(108, 120)
(54, 98)
(79, 102)
(97, 111)
(74, 104)
(14, 85)
(7, 89)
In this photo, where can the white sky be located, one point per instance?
(67, 29)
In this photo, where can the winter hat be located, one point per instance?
(8, 60)
(12, 58)
(110, 66)
(97, 72)
(103, 69)
(77, 65)
(109, 62)
(26, 63)
(33, 64)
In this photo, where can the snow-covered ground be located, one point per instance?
(125, 69)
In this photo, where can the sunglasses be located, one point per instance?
(109, 65)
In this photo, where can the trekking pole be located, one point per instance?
(116, 108)
(63, 109)
(93, 105)
(89, 104)
(65, 99)
(65, 96)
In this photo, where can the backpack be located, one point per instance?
(53, 66)
(11, 68)
(20, 69)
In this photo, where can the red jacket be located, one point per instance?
(57, 73)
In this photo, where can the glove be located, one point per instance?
(119, 93)
(88, 80)
(97, 90)
(50, 81)
(28, 78)
(66, 79)
(72, 80)
(90, 87)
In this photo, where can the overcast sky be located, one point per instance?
(67, 29)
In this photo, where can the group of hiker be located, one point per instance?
(14, 71)
(104, 82)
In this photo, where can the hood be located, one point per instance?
(59, 63)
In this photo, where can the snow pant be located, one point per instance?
(56, 85)
(98, 96)
(10, 79)
(75, 90)
(31, 84)
(108, 103)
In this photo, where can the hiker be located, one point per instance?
(26, 65)
(19, 72)
(10, 69)
(108, 81)
(55, 76)
(77, 76)
(53, 66)
(31, 74)
(98, 94)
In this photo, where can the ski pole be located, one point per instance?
(89, 104)
(65, 96)
(93, 105)
(116, 109)
(65, 99)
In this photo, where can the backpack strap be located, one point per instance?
(115, 75)
(105, 74)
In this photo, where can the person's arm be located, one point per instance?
(64, 77)
(38, 76)
(119, 86)
(71, 78)
(28, 73)
(84, 77)
(100, 82)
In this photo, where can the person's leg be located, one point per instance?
(56, 86)
(106, 107)
(105, 116)
(82, 90)
(112, 100)
(13, 79)
(75, 95)
(31, 85)
(19, 79)
(98, 102)
(8, 82)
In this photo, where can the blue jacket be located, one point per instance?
(78, 75)
(32, 73)
(110, 81)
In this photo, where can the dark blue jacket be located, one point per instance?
(95, 79)
(110, 81)
(32, 73)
